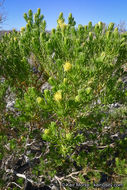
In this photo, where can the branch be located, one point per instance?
(65, 178)
(14, 184)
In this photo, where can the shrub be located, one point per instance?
(84, 66)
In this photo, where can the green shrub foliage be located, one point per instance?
(84, 67)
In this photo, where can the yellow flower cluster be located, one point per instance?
(67, 66)
(22, 29)
(77, 98)
(39, 100)
(65, 80)
(46, 131)
(61, 24)
(58, 96)
(15, 38)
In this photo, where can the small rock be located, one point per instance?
(45, 86)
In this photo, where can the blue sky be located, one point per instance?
(82, 10)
